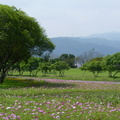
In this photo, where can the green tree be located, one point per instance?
(111, 63)
(20, 37)
(60, 66)
(52, 61)
(13, 68)
(32, 66)
(44, 67)
(94, 66)
(68, 58)
(22, 67)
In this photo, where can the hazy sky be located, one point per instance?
(72, 17)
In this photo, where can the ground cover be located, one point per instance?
(29, 99)
(75, 74)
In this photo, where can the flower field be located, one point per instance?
(48, 99)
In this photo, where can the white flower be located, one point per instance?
(19, 106)
(57, 117)
(73, 107)
(8, 108)
(58, 112)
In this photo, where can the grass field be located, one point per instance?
(76, 74)
(29, 99)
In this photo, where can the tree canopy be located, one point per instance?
(111, 63)
(60, 66)
(94, 66)
(20, 37)
(69, 59)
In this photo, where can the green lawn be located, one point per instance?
(43, 100)
(76, 74)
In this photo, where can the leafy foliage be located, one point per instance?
(60, 66)
(111, 63)
(44, 67)
(94, 65)
(20, 37)
(69, 59)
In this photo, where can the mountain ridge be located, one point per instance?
(78, 45)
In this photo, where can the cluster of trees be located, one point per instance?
(35, 64)
(110, 63)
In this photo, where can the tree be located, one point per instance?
(60, 66)
(32, 65)
(52, 61)
(111, 63)
(68, 58)
(94, 66)
(20, 67)
(20, 37)
(15, 67)
(44, 67)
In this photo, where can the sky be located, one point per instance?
(72, 18)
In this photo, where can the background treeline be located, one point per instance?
(110, 63)
(35, 64)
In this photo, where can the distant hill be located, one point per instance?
(77, 45)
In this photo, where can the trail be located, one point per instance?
(59, 80)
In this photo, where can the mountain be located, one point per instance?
(78, 45)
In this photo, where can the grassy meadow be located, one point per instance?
(45, 98)
(75, 74)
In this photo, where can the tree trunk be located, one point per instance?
(110, 73)
(115, 74)
(2, 76)
(84, 73)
